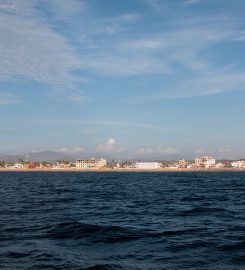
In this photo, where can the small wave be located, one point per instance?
(110, 234)
(193, 198)
(178, 232)
(239, 259)
(16, 255)
(191, 245)
(234, 247)
(103, 267)
(200, 211)
(96, 233)
(51, 260)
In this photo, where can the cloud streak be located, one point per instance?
(8, 99)
(34, 46)
(109, 147)
(191, 2)
(31, 50)
(156, 151)
(75, 150)
(189, 47)
(109, 123)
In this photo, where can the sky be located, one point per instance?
(138, 79)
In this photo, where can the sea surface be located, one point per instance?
(122, 220)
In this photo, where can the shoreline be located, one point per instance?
(121, 170)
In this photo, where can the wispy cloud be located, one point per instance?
(109, 147)
(109, 123)
(87, 131)
(191, 2)
(224, 151)
(114, 65)
(8, 99)
(157, 5)
(31, 50)
(156, 151)
(75, 150)
(35, 46)
(200, 151)
(189, 47)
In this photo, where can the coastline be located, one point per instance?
(121, 170)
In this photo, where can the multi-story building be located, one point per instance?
(205, 162)
(238, 164)
(182, 164)
(219, 165)
(90, 163)
(18, 166)
(148, 165)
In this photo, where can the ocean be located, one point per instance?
(132, 220)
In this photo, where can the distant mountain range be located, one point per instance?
(50, 156)
(11, 158)
(53, 156)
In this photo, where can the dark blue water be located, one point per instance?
(122, 221)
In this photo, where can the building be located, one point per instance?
(238, 164)
(182, 164)
(148, 165)
(90, 163)
(18, 166)
(205, 162)
(219, 165)
(33, 165)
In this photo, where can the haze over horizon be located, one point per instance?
(135, 78)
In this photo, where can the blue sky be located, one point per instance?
(133, 78)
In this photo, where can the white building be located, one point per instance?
(238, 164)
(182, 163)
(148, 165)
(219, 165)
(205, 162)
(18, 166)
(90, 163)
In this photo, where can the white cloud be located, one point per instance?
(31, 50)
(191, 2)
(109, 147)
(112, 25)
(157, 5)
(156, 150)
(76, 97)
(7, 99)
(111, 123)
(200, 151)
(74, 150)
(224, 151)
(63, 9)
(186, 39)
(188, 44)
(87, 131)
(113, 64)
(146, 43)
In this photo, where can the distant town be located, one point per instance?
(200, 163)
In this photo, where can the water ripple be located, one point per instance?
(122, 221)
